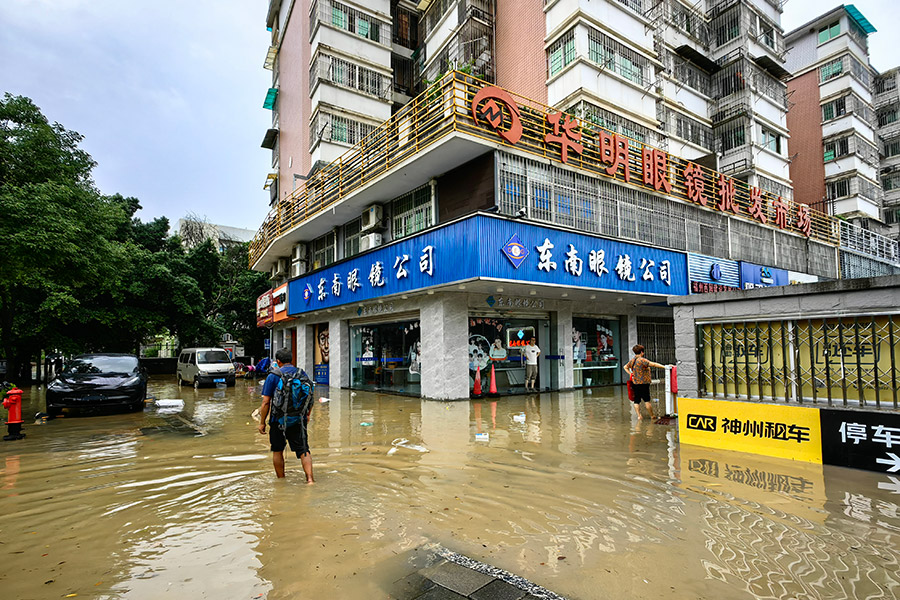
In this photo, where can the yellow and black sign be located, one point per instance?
(791, 432)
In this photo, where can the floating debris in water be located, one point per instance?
(482, 437)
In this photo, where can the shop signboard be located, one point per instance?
(759, 276)
(709, 274)
(264, 309)
(279, 303)
(497, 249)
(791, 432)
(861, 440)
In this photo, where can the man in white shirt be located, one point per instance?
(531, 352)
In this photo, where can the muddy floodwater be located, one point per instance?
(566, 490)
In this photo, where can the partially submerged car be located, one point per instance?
(98, 380)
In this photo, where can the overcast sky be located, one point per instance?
(168, 93)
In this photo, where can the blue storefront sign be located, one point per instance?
(710, 274)
(757, 276)
(483, 247)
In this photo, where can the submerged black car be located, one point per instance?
(98, 380)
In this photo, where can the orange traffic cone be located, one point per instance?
(476, 391)
(492, 391)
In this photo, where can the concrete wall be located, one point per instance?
(878, 295)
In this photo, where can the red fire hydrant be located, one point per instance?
(13, 403)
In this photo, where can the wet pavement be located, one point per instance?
(565, 490)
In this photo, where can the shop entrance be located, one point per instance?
(386, 357)
(497, 344)
(596, 350)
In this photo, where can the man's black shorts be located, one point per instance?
(641, 392)
(296, 435)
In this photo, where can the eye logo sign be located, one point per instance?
(307, 293)
(493, 112)
(515, 250)
(701, 422)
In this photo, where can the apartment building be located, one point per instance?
(887, 116)
(837, 155)
(534, 170)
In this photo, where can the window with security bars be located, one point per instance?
(348, 75)
(837, 148)
(689, 75)
(773, 187)
(890, 182)
(891, 147)
(831, 69)
(561, 53)
(352, 232)
(323, 250)
(840, 361)
(693, 131)
(892, 215)
(885, 84)
(690, 23)
(617, 57)
(635, 5)
(411, 213)
(731, 135)
(329, 127)
(834, 109)
(837, 189)
(349, 19)
(727, 26)
(829, 32)
(730, 79)
(610, 121)
(888, 115)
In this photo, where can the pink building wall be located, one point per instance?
(519, 44)
(294, 105)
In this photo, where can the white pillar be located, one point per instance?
(444, 322)
(565, 372)
(339, 354)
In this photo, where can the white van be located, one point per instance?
(199, 366)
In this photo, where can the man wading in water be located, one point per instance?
(279, 434)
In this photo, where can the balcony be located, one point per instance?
(438, 131)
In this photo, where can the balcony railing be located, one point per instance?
(445, 108)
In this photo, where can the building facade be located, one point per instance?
(887, 114)
(556, 189)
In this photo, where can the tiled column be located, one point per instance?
(565, 372)
(685, 351)
(632, 337)
(338, 354)
(444, 323)
(305, 347)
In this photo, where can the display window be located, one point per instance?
(496, 347)
(386, 357)
(596, 352)
(320, 353)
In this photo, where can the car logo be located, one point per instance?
(701, 422)
(515, 250)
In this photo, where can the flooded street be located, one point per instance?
(564, 490)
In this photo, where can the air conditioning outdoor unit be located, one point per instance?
(369, 241)
(298, 252)
(298, 268)
(371, 218)
(273, 272)
(281, 267)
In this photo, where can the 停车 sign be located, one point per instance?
(862, 440)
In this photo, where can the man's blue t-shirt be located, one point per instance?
(271, 384)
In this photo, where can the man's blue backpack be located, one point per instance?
(292, 399)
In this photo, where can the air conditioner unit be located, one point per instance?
(369, 241)
(371, 217)
(281, 267)
(298, 268)
(273, 272)
(298, 252)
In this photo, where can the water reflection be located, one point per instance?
(563, 489)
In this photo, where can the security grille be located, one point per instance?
(849, 361)
(657, 336)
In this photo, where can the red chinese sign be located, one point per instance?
(603, 152)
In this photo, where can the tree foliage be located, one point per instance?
(80, 272)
